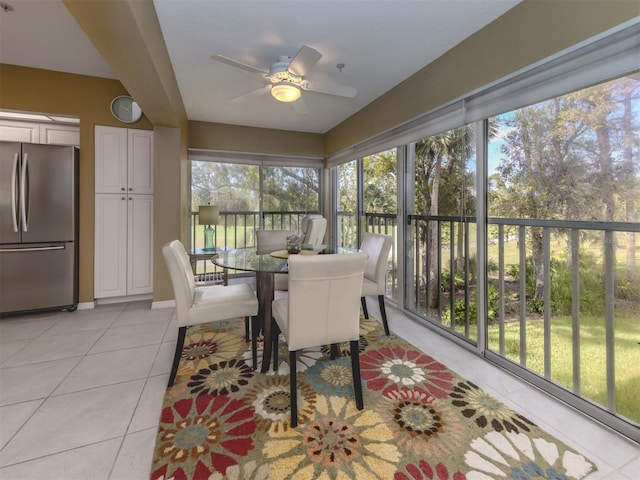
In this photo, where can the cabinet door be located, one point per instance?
(24, 132)
(110, 265)
(60, 134)
(111, 159)
(140, 170)
(140, 244)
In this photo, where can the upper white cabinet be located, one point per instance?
(23, 132)
(124, 160)
(32, 132)
(56, 134)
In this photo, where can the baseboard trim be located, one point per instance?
(86, 306)
(125, 299)
(163, 304)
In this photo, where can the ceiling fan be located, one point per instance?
(286, 79)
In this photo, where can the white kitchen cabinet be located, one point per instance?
(123, 212)
(124, 160)
(57, 134)
(123, 245)
(33, 132)
(110, 265)
(23, 132)
(139, 244)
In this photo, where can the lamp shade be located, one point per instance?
(285, 92)
(208, 215)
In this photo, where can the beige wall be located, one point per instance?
(89, 99)
(234, 138)
(166, 204)
(531, 31)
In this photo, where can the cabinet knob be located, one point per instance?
(122, 189)
(130, 198)
(123, 198)
(130, 188)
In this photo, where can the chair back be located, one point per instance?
(182, 279)
(268, 241)
(312, 228)
(377, 246)
(324, 299)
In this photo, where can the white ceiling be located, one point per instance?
(381, 43)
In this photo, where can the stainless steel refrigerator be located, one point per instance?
(38, 227)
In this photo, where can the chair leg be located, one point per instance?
(182, 331)
(355, 373)
(293, 392)
(255, 330)
(364, 307)
(246, 329)
(383, 312)
(275, 335)
(334, 351)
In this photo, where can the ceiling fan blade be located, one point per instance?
(243, 66)
(254, 93)
(300, 106)
(330, 88)
(304, 60)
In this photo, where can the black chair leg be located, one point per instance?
(334, 351)
(246, 329)
(182, 331)
(293, 392)
(255, 330)
(383, 312)
(275, 335)
(364, 307)
(355, 373)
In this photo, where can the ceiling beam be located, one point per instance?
(128, 36)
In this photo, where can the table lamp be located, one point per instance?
(208, 215)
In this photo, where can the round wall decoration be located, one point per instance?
(125, 109)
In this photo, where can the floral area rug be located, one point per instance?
(421, 421)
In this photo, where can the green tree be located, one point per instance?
(437, 157)
(567, 158)
(380, 182)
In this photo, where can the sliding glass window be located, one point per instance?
(442, 266)
(252, 192)
(564, 207)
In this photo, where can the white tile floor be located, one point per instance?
(80, 394)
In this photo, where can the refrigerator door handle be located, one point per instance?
(31, 249)
(14, 186)
(23, 193)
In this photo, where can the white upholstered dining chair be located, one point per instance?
(321, 309)
(268, 241)
(202, 304)
(312, 228)
(377, 246)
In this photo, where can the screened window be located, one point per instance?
(564, 194)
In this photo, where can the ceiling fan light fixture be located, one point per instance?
(285, 92)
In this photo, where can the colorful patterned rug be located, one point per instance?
(421, 420)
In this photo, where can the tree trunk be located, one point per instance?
(460, 259)
(630, 197)
(434, 286)
(607, 180)
(538, 261)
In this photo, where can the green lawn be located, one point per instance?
(592, 356)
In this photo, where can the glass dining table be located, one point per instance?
(266, 263)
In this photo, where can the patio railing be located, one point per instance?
(561, 297)
(237, 229)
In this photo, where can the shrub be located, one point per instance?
(459, 312)
(458, 280)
